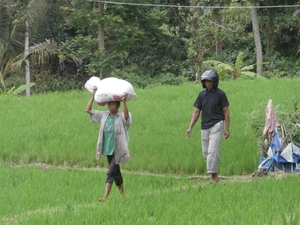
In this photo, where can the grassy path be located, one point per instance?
(165, 187)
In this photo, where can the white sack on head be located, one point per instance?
(112, 89)
(91, 83)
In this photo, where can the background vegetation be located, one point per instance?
(67, 41)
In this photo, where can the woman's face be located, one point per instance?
(113, 107)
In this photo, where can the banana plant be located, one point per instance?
(14, 90)
(237, 70)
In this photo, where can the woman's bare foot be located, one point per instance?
(108, 187)
(102, 199)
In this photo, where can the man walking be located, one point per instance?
(212, 104)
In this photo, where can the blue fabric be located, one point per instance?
(267, 164)
(278, 158)
(287, 167)
(270, 163)
(275, 143)
(296, 158)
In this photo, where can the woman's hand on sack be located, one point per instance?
(95, 88)
(125, 94)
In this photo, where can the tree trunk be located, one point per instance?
(257, 40)
(269, 31)
(101, 38)
(27, 64)
(218, 39)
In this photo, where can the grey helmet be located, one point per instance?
(210, 75)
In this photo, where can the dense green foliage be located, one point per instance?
(143, 43)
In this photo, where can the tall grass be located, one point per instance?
(48, 195)
(54, 129)
(162, 183)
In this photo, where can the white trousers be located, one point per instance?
(211, 140)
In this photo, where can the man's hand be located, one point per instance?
(226, 134)
(188, 132)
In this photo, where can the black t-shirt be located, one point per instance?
(211, 104)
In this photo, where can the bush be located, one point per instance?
(170, 79)
(289, 120)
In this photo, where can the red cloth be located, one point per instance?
(271, 120)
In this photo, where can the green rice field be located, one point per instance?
(49, 175)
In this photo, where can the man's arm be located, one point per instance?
(227, 122)
(194, 119)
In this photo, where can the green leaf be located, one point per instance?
(22, 88)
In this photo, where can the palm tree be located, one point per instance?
(25, 13)
(14, 51)
(31, 12)
(11, 42)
